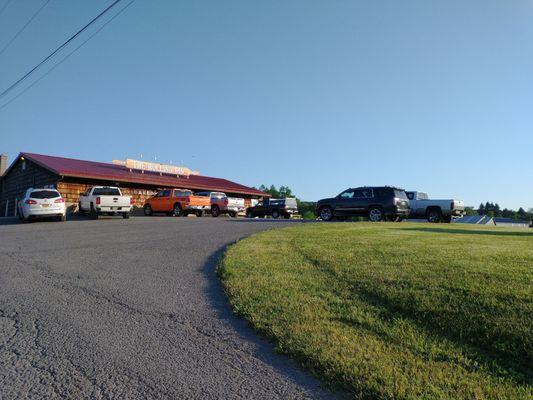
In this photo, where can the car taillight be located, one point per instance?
(60, 200)
(131, 201)
(98, 200)
(30, 201)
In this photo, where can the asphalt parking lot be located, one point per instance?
(129, 309)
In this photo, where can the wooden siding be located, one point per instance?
(24, 175)
(70, 189)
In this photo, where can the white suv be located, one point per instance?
(42, 203)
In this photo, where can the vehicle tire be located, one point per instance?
(375, 214)
(215, 211)
(275, 214)
(233, 214)
(434, 215)
(80, 211)
(93, 213)
(148, 210)
(249, 214)
(326, 214)
(126, 215)
(177, 211)
(199, 214)
(447, 219)
(63, 218)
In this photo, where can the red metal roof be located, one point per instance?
(118, 173)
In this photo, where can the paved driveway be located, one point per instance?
(130, 309)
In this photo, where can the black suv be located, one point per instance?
(376, 203)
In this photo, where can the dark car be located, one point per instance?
(273, 207)
(376, 203)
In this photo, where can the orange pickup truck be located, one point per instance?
(177, 202)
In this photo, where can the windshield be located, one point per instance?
(106, 192)
(44, 194)
(400, 194)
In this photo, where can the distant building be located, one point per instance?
(511, 223)
(71, 177)
(495, 221)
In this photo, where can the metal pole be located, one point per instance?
(16, 210)
(7, 206)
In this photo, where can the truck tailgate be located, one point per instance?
(114, 201)
(199, 201)
(235, 202)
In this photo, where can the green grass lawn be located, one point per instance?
(394, 311)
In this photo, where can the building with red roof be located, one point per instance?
(72, 177)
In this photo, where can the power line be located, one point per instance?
(5, 6)
(59, 48)
(24, 27)
(67, 56)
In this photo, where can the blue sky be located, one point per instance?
(320, 96)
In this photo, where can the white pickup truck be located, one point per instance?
(222, 204)
(105, 200)
(434, 210)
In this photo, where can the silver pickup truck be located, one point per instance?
(434, 210)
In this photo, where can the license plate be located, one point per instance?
(46, 205)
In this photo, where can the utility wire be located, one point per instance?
(24, 27)
(67, 56)
(58, 49)
(5, 6)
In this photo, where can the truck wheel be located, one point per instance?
(176, 211)
(249, 214)
(447, 219)
(199, 214)
(375, 214)
(434, 215)
(94, 214)
(233, 214)
(275, 214)
(126, 215)
(215, 211)
(326, 214)
(80, 211)
(148, 210)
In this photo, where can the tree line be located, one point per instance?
(494, 210)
